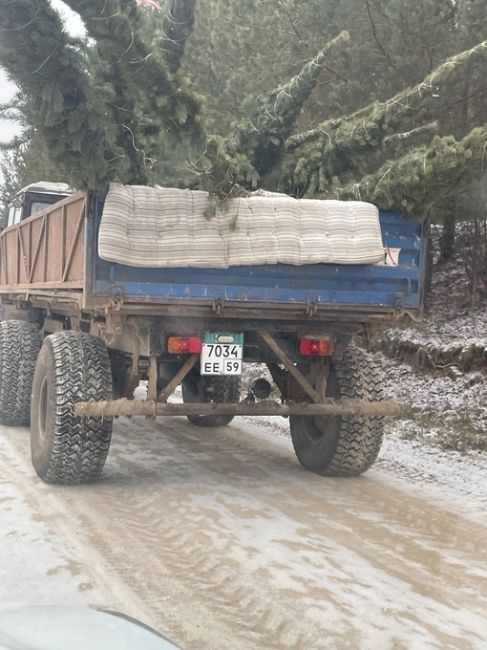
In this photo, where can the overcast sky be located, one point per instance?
(7, 89)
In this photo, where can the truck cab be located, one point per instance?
(34, 198)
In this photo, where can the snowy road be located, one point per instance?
(221, 541)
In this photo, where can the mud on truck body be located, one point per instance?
(79, 331)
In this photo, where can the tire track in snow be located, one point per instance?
(224, 541)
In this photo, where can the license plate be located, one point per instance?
(222, 354)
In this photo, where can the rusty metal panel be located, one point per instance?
(45, 250)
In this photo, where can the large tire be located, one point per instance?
(19, 346)
(71, 367)
(222, 390)
(348, 445)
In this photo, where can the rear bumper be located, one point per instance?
(235, 310)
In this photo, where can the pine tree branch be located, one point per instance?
(396, 109)
(59, 100)
(151, 109)
(261, 137)
(178, 27)
(416, 182)
(117, 31)
(286, 102)
(114, 35)
(345, 145)
(427, 130)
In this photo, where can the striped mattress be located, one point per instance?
(164, 227)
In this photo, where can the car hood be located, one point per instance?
(58, 628)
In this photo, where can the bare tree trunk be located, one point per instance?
(447, 241)
(428, 281)
(475, 272)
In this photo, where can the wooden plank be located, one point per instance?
(289, 365)
(17, 259)
(77, 264)
(178, 378)
(11, 257)
(46, 246)
(29, 248)
(63, 238)
(18, 288)
(74, 244)
(4, 276)
(54, 253)
(23, 253)
(329, 408)
(37, 250)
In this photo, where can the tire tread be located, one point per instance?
(81, 373)
(19, 347)
(223, 390)
(359, 440)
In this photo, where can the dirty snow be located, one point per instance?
(30, 553)
(455, 478)
(453, 314)
(449, 406)
(218, 539)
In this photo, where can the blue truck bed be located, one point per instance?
(369, 289)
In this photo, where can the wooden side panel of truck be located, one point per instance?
(46, 251)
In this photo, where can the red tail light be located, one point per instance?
(316, 347)
(184, 345)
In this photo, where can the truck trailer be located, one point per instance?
(100, 290)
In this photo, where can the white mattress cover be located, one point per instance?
(166, 227)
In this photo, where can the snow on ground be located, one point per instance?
(420, 451)
(450, 411)
(449, 407)
(455, 478)
(220, 540)
(30, 552)
(458, 479)
(453, 313)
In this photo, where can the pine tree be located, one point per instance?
(360, 118)
(148, 104)
(256, 144)
(57, 96)
(105, 112)
(344, 145)
(413, 184)
(23, 161)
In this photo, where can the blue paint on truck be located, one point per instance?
(367, 286)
